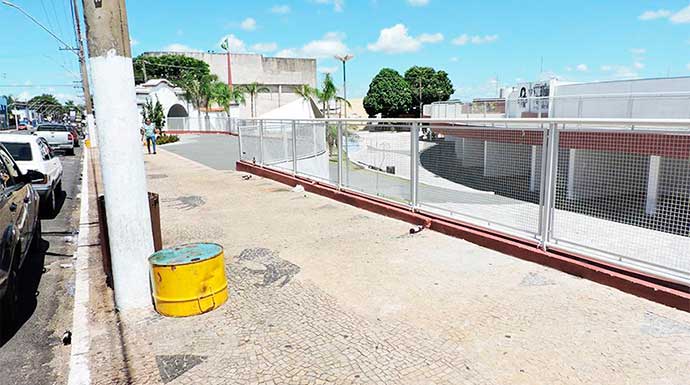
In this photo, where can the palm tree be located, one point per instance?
(305, 91)
(253, 89)
(198, 91)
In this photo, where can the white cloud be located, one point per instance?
(281, 9)
(331, 44)
(455, 59)
(688, 66)
(682, 16)
(338, 5)
(652, 15)
(177, 47)
(396, 39)
(582, 67)
(288, 52)
(328, 70)
(476, 39)
(638, 51)
(430, 37)
(234, 43)
(248, 24)
(133, 42)
(620, 71)
(418, 3)
(264, 47)
(638, 65)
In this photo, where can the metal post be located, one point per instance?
(239, 140)
(549, 186)
(485, 109)
(339, 144)
(261, 142)
(414, 165)
(294, 147)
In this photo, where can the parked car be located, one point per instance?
(25, 125)
(32, 152)
(58, 136)
(21, 230)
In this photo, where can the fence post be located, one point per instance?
(294, 147)
(548, 184)
(414, 165)
(283, 131)
(339, 145)
(261, 142)
(239, 140)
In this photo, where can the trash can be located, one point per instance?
(188, 279)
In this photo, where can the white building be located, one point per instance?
(280, 75)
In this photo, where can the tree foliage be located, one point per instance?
(389, 94)
(175, 68)
(253, 89)
(198, 89)
(435, 85)
(154, 111)
(45, 104)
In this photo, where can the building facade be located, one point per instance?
(280, 75)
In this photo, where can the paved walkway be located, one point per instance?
(321, 292)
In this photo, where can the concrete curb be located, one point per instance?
(628, 281)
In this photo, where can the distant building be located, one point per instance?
(4, 113)
(280, 75)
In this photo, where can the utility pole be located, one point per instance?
(121, 156)
(84, 76)
(344, 59)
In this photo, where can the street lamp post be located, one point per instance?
(344, 59)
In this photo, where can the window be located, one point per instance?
(44, 148)
(52, 127)
(19, 151)
(8, 171)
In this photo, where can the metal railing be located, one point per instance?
(615, 190)
(201, 124)
(629, 105)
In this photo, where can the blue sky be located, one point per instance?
(478, 43)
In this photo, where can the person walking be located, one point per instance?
(150, 135)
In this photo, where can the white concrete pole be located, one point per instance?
(121, 156)
(653, 184)
(533, 170)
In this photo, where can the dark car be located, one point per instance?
(75, 135)
(21, 231)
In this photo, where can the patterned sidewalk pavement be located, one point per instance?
(324, 293)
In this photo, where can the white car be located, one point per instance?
(32, 152)
(58, 136)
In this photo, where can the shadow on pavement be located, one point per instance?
(28, 280)
(60, 199)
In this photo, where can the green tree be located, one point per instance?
(223, 95)
(305, 91)
(389, 94)
(434, 85)
(45, 104)
(253, 89)
(175, 68)
(198, 90)
(153, 111)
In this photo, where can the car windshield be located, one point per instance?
(19, 151)
(52, 127)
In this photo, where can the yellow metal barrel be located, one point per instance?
(188, 279)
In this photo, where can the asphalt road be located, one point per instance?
(35, 354)
(220, 152)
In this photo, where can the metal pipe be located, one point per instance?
(339, 144)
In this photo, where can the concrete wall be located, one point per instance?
(599, 174)
(640, 98)
(473, 155)
(280, 75)
(507, 159)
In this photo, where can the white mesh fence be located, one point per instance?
(620, 194)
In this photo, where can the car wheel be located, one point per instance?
(58, 187)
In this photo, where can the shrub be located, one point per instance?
(165, 139)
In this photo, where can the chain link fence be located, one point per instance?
(614, 190)
(201, 124)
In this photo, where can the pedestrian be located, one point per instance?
(150, 134)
